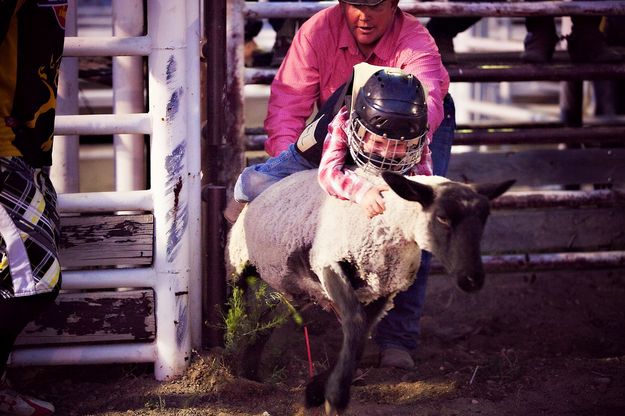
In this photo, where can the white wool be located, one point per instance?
(296, 213)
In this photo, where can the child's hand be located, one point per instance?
(372, 202)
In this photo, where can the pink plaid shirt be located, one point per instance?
(346, 184)
(321, 59)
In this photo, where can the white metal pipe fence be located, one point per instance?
(128, 97)
(64, 172)
(173, 123)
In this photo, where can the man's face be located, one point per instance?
(368, 23)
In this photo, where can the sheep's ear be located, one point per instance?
(493, 190)
(410, 190)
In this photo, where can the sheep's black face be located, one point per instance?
(459, 216)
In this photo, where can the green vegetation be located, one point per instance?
(253, 311)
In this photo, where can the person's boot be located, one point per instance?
(541, 39)
(17, 404)
(396, 358)
(586, 43)
(233, 210)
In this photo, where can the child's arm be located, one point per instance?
(342, 183)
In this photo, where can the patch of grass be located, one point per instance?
(155, 403)
(252, 311)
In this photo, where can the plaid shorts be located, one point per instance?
(29, 230)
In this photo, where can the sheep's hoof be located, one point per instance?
(315, 392)
(330, 411)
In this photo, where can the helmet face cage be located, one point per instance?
(388, 122)
(376, 154)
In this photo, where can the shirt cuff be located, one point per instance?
(358, 196)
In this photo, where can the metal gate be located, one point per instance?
(172, 121)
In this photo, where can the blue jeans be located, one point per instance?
(256, 178)
(400, 327)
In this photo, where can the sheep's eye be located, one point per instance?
(443, 220)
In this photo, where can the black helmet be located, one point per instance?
(390, 105)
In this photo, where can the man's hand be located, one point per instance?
(373, 202)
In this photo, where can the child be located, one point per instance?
(390, 113)
(385, 131)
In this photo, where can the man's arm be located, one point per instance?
(432, 75)
(294, 92)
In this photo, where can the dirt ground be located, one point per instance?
(527, 344)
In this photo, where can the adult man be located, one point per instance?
(31, 43)
(319, 61)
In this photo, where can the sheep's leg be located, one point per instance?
(249, 367)
(249, 364)
(354, 326)
(315, 390)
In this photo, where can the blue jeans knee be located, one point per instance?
(255, 179)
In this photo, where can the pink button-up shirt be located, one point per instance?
(321, 59)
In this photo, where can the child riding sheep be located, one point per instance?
(384, 127)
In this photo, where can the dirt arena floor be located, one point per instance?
(527, 344)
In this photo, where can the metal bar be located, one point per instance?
(171, 150)
(213, 51)
(193, 114)
(213, 274)
(108, 278)
(255, 138)
(255, 141)
(533, 72)
(559, 199)
(609, 134)
(94, 124)
(553, 261)
(549, 261)
(215, 282)
(615, 121)
(89, 354)
(234, 94)
(452, 9)
(106, 201)
(128, 98)
(259, 75)
(495, 72)
(105, 46)
(65, 171)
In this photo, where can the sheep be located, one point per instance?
(311, 246)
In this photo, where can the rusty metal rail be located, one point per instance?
(520, 71)
(493, 70)
(566, 135)
(550, 261)
(455, 9)
(596, 135)
(560, 199)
